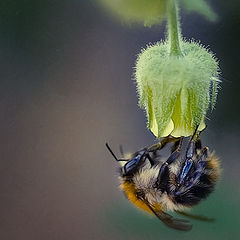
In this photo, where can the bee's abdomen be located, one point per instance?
(192, 196)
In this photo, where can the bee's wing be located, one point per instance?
(179, 224)
(197, 217)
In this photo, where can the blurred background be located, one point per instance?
(66, 88)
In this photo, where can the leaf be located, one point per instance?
(202, 7)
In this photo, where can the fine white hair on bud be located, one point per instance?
(176, 91)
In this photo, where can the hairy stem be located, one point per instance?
(174, 32)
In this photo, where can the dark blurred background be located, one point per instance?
(66, 88)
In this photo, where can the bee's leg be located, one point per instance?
(160, 145)
(152, 159)
(176, 144)
(198, 144)
(151, 152)
(185, 170)
(193, 147)
(200, 166)
(163, 175)
(192, 189)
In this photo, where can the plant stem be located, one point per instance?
(173, 29)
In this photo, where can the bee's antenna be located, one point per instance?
(121, 150)
(118, 160)
(110, 150)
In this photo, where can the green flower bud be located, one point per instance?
(148, 12)
(176, 91)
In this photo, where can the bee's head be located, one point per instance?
(132, 164)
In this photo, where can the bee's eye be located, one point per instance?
(130, 165)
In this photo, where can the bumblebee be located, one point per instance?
(178, 182)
